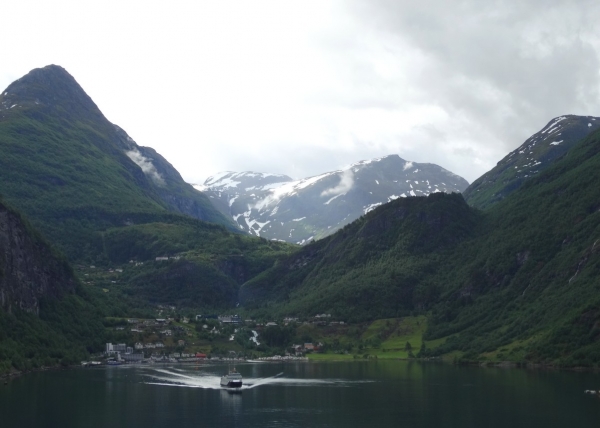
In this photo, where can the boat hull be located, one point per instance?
(232, 380)
(226, 383)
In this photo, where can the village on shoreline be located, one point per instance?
(171, 340)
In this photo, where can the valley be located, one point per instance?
(96, 230)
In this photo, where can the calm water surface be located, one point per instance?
(361, 394)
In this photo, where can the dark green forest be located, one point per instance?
(521, 276)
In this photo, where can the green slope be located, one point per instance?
(519, 281)
(66, 167)
(530, 281)
(103, 200)
(207, 263)
(377, 267)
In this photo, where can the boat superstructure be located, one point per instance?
(231, 380)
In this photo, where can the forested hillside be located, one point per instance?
(379, 266)
(103, 201)
(74, 174)
(520, 279)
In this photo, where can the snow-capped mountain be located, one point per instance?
(537, 153)
(275, 206)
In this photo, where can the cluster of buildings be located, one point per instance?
(229, 319)
(283, 358)
(306, 347)
(136, 353)
(164, 258)
(139, 326)
(122, 352)
(141, 346)
(319, 319)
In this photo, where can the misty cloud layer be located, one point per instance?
(307, 87)
(346, 183)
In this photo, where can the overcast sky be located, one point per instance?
(306, 87)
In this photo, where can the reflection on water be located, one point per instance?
(357, 394)
(174, 377)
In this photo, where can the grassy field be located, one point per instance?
(392, 338)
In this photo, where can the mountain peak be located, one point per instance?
(274, 206)
(51, 86)
(537, 153)
(245, 179)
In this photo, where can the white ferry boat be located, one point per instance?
(232, 380)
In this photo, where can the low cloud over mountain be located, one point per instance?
(274, 206)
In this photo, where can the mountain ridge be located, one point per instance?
(277, 207)
(517, 281)
(537, 153)
(59, 151)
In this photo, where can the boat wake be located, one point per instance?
(164, 377)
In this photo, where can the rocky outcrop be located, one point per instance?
(29, 269)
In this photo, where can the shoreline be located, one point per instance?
(5, 378)
(13, 374)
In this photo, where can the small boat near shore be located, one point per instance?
(232, 380)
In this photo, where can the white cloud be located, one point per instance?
(345, 184)
(300, 88)
(146, 165)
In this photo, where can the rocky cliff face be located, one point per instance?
(29, 271)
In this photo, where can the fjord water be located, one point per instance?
(354, 394)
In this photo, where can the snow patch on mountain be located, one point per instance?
(336, 196)
(214, 179)
(287, 189)
(551, 126)
(371, 207)
(273, 185)
(365, 162)
(258, 224)
(275, 206)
